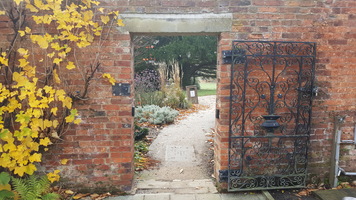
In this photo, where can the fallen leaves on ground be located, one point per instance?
(183, 113)
(145, 163)
(305, 192)
(68, 194)
(314, 187)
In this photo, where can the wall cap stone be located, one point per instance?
(208, 23)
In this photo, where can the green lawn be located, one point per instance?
(207, 89)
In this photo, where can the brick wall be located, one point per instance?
(100, 150)
(329, 23)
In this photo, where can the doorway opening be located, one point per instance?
(164, 67)
(181, 24)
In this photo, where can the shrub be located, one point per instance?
(140, 133)
(172, 96)
(147, 86)
(147, 81)
(140, 158)
(155, 114)
(175, 97)
(149, 98)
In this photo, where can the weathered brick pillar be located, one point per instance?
(223, 105)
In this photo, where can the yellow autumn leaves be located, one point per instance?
(76, 25)
(19, 151)
(109, 78)
(53, 176)
(33, 108)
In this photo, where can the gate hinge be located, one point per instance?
(223, 176)
(238, 54)
(313, 90)
(227, 57)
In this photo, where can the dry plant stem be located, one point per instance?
(94, 66)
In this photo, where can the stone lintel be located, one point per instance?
(177, 23)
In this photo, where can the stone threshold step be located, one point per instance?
(175, 186)
(168, 196)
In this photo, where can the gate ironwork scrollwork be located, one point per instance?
(270, 114)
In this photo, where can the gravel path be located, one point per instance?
(182, 148)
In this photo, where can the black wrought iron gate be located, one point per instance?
(272, 85)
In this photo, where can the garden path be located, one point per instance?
(182, 148)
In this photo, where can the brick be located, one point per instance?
(240, 3)
(274, 3)
(337, 42)
(82, 162)
(268, 9)
(292, 35)
(123, 63)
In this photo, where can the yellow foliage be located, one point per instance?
(64, 161)
(110, 78)
(57, 61)
(120, 22)
(70, 65)
(101, 10)
(26, 99)
(45, 142)
(53, 176)
(19, 149)
(3, 59)
(22, 33)
(32, 8)
(18, 1)
(105, 19)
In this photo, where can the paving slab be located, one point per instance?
(180, 153)
(208, 197)
(157, 197)
(183, 197)
(234, 196)
(200, 190)
(335, 194)
(153, 184)
(167, 196)
(127, 197)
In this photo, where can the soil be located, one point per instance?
(291, 194)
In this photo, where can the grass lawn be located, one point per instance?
(207, 89)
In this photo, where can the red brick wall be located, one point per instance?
(332, 25)
(100, 150)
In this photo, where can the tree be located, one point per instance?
(195, 55)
